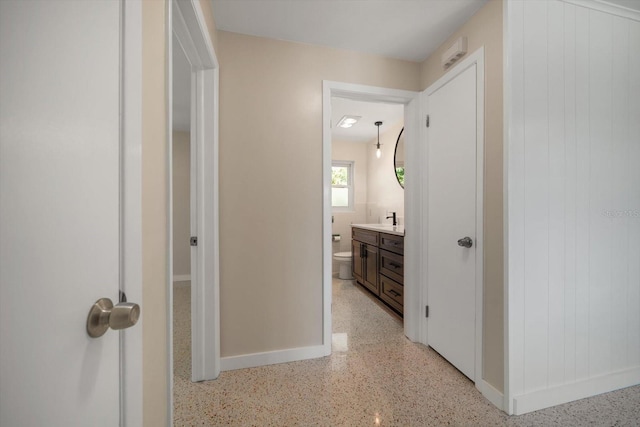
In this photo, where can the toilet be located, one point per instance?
(344, 260)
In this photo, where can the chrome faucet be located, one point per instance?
(395, 220)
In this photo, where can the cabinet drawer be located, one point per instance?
(392, 293)
(365, 236)
(392, 243)
(392, 265)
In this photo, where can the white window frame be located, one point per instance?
(351, 167)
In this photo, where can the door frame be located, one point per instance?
(131, 339)
(413, 204)
(476, 58)
(186, 20)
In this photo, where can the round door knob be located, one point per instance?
(465, 242)
(124, 315)
(103, 315)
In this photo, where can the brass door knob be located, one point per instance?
(103, 315)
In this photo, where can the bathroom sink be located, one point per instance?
(387, 228)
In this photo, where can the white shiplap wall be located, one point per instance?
(573, 118)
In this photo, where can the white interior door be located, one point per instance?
(59, 210)
(451, 270)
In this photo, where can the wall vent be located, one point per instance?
(457, 50)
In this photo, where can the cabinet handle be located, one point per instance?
(394, 293)
(364, 250)
(394, 265)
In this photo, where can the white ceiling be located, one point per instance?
(404, 29)
(365, 130)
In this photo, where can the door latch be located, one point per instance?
(193, 241)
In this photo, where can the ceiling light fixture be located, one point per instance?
(378, 152)
(348, 121)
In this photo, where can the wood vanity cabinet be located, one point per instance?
(378, 265)
(364, 249)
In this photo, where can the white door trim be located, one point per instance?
(186, 21)
(413, 207)
(131, 210)
(477, 58)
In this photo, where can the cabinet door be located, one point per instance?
(356, 260)
(371, 268)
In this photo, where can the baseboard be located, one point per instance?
(579, 390)
(271, 357)
(491, 394)
(181, 277)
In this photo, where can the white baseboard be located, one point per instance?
(181, 277)
(271, 357)
(579, 390)
(491, 393)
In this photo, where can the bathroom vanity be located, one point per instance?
(378, 261)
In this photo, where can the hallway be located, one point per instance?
(375, 376)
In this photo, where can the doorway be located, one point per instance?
(410, 101)
(367, 194)
(187, 24)
(182, 159)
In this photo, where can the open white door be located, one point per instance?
(62, 213)
(189, 27)
(452, 276)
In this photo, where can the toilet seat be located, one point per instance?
(344, 255)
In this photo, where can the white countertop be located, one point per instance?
(398, 230)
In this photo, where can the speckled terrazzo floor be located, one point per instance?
(375, 376)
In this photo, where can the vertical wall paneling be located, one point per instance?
(582, 193)
(536, 210)
(601, 189)
(570, 183)
(557, 193)
(573, 201)
(515, 215)
(620, 187)
(583, 238)
(633, 290)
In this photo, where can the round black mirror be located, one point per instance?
(398, 158)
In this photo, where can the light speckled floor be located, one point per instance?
(375, 376)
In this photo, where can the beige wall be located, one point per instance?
(485, 29)
(181, 204)
(271, 184)
(384, 194)
(154, 215)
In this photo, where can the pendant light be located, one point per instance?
(378, 152)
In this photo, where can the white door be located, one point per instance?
(451, 214)
(60, 211)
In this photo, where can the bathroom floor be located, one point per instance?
(374, 376)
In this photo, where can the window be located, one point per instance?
(342, 185)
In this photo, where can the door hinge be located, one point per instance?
(193, 241)
(426, 311)
(427, 120)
